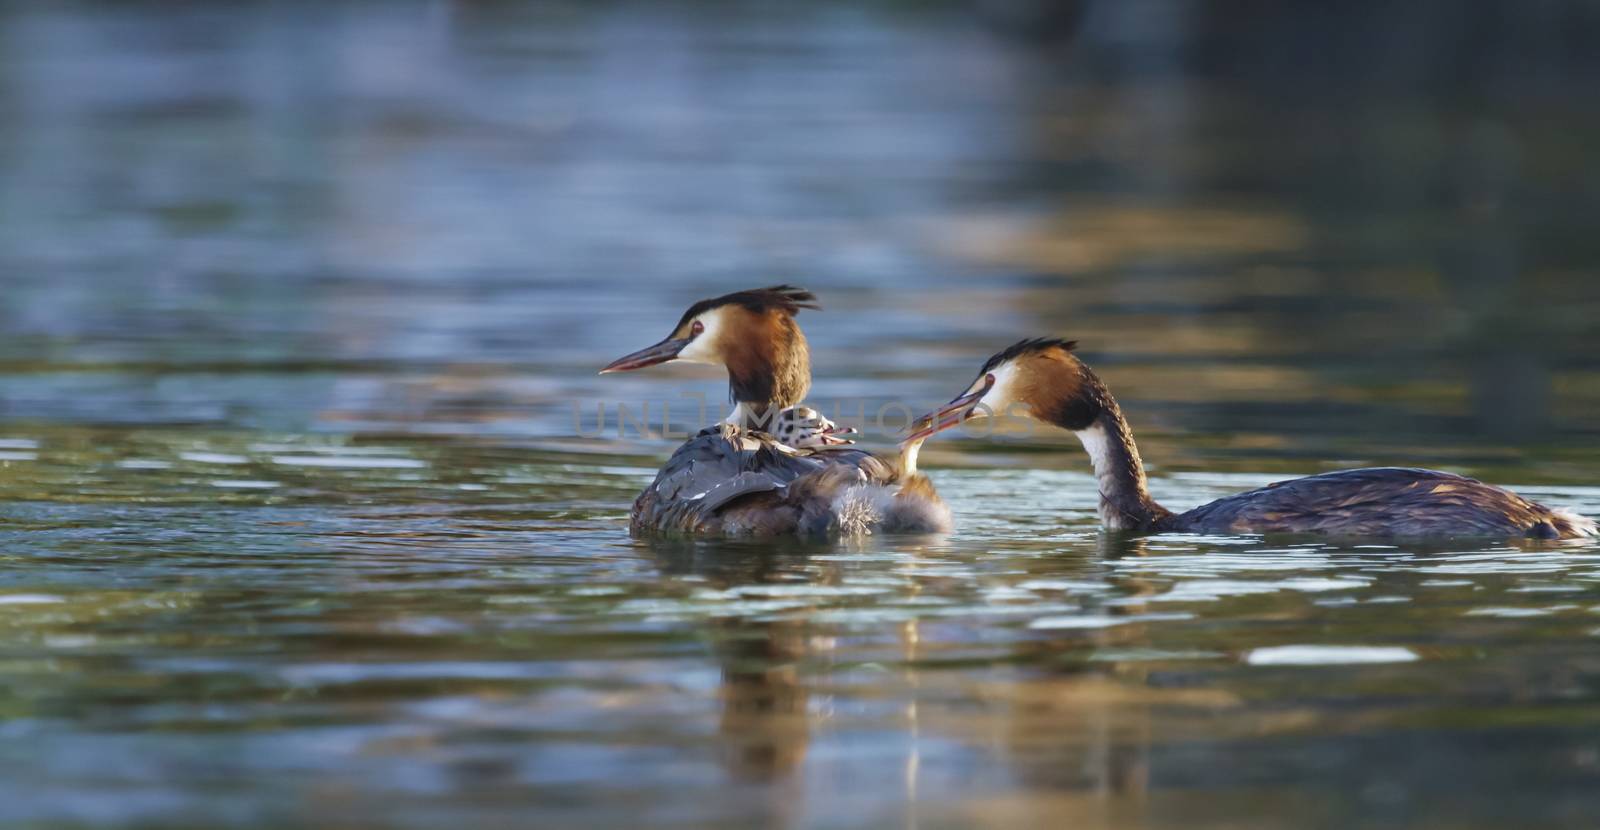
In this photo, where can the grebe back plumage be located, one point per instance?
(738, 478)
(1055, 387)
(733, 482)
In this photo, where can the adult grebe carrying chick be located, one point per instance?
(772, 467)
(1053, 386)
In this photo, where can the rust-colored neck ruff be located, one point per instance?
(768, 362)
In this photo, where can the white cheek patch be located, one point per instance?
(701, 348)
(998, 398)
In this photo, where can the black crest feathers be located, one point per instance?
(1022, 347)
(785, 298)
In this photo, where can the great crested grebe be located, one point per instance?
(772, 467)
(1055, 387)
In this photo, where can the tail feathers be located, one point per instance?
(912, 507)
(917, 508)
(845, 500)
(1570, 525)
(858, 511)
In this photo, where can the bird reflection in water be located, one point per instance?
(1067, 724)
(764, 728)
(1076, 730)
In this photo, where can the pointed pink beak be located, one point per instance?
(647, 356)
(950, 415)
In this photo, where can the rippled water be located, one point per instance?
(299, 528)
(405, 634)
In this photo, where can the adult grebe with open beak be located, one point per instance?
(1042, 379)
(772, 467)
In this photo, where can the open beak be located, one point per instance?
(647, 356)
(834, 435)
(950, 415)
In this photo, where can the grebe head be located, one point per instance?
(1038, 378)
(751, 333)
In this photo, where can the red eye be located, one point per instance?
(696, 328)
(989, 378)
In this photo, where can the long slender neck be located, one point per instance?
(1125, 502)
(769, 369)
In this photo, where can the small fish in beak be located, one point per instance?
(952, 414)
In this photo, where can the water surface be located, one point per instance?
(301, 307)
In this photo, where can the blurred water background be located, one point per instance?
(302, 305)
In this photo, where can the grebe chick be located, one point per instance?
(1043, 380)
(804, 428)
(772, 467)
